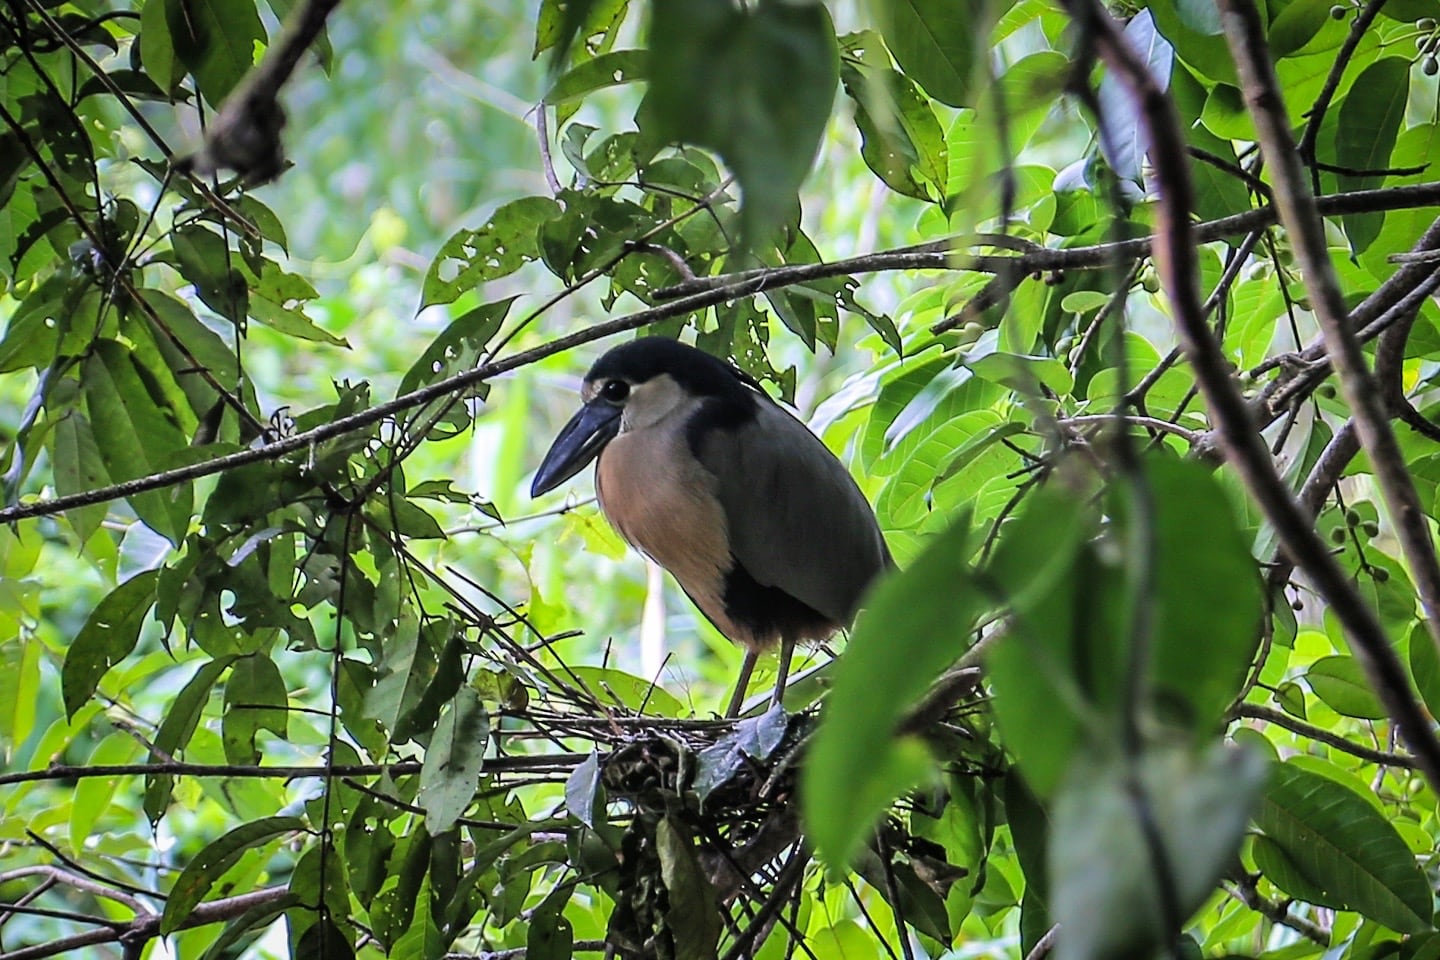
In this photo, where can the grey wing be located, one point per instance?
(797, 520)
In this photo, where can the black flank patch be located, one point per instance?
(768, 611)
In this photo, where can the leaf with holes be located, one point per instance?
(506, 242)
(451, 771)
(109, 634)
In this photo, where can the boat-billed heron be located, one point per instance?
(705, 474)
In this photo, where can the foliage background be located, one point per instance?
(342, 699)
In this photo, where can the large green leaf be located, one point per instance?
(255, 700)
(134, 436)
(109, 634)
(777, 65)
(1341, 683)
(1343, 849)
(1057, 663)
(916, 623)
(215, 39)
(693, 915)
(1105, 873)
(941, 46)
(175, 732)
(78, 468)
(451, 772)
(218, 856)
(1207, 595)
(1369, 121)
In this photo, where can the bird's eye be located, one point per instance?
(615, 390)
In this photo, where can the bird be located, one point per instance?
(698, 468)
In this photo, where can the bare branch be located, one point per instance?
(1246, 37)
(147, 927)
(555, 761)
(1244, 890)
(1175, 247)
(1309, 731)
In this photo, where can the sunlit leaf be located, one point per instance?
(916, 623)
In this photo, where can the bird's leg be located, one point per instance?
(787, 648)
(742, 683)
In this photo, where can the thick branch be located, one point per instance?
(147, 927)
(1246, 36)
(557, 761)
(1175, 244)
(932, 259)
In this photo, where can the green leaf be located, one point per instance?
(606, 70)
(459, 346)
(255, 700)
(134, 437)
(1207, 594)
(205, 259)
(78, 468)
(583, 792)
(217, 857)
(1369, 121)
(507, 241)
(1295, 25)
(628, 691)
(941, 46)
(109, 634)
(901, 141)
(157, 50)
(277, 299)
(1340, 682)
(693, 916)
(1425, 666)
(215, 39)
(916, 623)
(1106, 892)
(451, 771)
(1040, 671)
(93, 795)
(551, 936)
(1193, 31)
(778, 65)
(1349, 856)
(176, 730)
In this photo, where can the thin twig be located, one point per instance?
(1254, 711)
(1245, 891)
